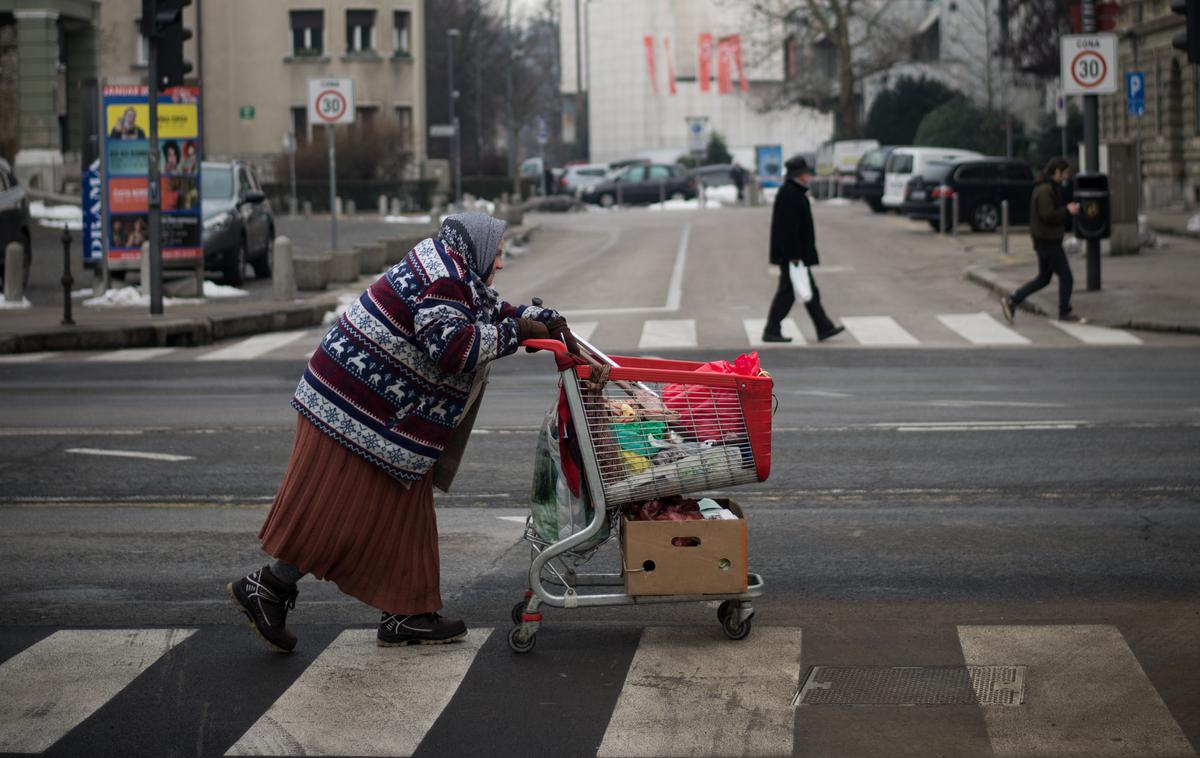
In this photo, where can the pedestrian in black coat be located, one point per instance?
(794, 239)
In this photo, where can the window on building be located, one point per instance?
(364, 117)
(308, 33)
(401, 33)
(300, 124)
(404, 118)
(360, 31)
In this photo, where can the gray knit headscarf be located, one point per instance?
(476, 237)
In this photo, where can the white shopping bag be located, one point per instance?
(801, 284)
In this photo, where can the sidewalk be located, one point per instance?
(1154, 291)
(39, 328)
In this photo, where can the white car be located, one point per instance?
(906, 162)
(577, 178)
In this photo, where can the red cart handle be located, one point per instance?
(554, 346)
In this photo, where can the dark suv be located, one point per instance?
(642, 183)
(14, 217)
(238, 225)
(981, 184)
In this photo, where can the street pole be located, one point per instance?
(332, 189)
(292, 173)
(510, 132)
(451, 35)
(1091, 149)
(153, 190)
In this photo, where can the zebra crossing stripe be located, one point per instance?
(132, 354)
(253, 347)
(25, 357)
(691, 692)
(673, 332)
(1086, 694)
(50, 688)
(981, 329)
(1097, 335)
(360, 699)
(754, 329)
(878, 330)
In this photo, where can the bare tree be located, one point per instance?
(839, 43)
(1036, 27)
(972, 48)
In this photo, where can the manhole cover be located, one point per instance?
(913, 685)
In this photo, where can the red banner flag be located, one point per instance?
(735, 42)
(648, 41)
(724, 67)
(704, 70)
(670, 64)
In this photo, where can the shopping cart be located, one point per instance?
(708, 431)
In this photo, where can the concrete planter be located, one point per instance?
(370, 257)
(312, 272)
(394, 250)
(345, 265)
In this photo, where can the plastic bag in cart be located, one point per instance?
(561, 506)
(706, 410)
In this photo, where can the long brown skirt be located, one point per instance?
(340, 518)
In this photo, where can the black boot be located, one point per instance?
(423, 629)
(265, 600)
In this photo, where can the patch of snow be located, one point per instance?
(212, 289)
(344, 302)
(1193, 223)
(837, 201)
(57, 216)
(85, 292)
(408, 219)
(132, 296)
(684, 205)
(769, 193)
(726, 194)
(20, 305)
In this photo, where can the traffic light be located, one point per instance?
(1188, 40)
(164, 19)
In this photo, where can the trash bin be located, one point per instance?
(1094, 218)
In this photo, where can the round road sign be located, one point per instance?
(331, 105)
(1088, 68)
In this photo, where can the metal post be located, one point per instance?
(1091, 139)
(941, 214)
(954, 214)
(67, 279)
(292, 175)
(153, 188)
(662, 191)
(1004, 227)
(332, 188)
(456, 175)
(620, 198)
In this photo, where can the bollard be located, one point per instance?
(396, 206)
(67, 279)
(283, 271)
(954, 214)
(14, 272)
(941, 214)
(1004, 227)
(662, 191)
(350, 208)
(620, 194)
(337, 203)
(383, 205)
(307, 208)
(144, 270)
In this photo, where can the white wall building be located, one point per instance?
(631, 115)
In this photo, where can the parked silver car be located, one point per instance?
(239, 227)
(15, 224)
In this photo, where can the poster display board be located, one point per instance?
(126, 123)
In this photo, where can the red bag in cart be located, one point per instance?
(708, 411)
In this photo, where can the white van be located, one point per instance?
(906, 162)
(842, 157)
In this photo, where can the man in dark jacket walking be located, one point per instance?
(794, 240)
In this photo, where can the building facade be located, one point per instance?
(1170, 129)
(252, 59)
(630, 108)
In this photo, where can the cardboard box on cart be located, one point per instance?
(715, 566)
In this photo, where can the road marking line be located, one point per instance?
(360, 699)
(25, 357)
(987, 428)
(130, 454)
(1097, 335)
(132, 354)
(774, 270)
(676, 332)
(253, 347)
(1085, 694)
(674, 288)
(754, 329)
(514, 519)
(878, 330)
(989, 404)
(51, 687)
(584, 329)
(692, 692)
(981, 329)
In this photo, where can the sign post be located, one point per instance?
(1089, 68)
(1061, 117)
(1135, 103)
(331, 102)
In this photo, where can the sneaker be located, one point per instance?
(835, 331)
(1071, 318)
(1009, 307)
(775, 337)
(423, 629)
(265, 601)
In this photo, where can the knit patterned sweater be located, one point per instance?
(391, 378)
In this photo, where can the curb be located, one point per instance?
(988, 279)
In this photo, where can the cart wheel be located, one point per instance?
(517, 612)
(520, 643)
(728, 614)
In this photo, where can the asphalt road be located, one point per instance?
(1029, 506)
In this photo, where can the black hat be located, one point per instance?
(797, 165)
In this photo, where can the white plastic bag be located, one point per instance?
(801, 284)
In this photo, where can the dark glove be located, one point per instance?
(558, 329)
(528, 329)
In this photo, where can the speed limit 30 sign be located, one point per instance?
(331, 101)
(1089, 64)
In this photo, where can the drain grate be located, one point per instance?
(913, 685)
